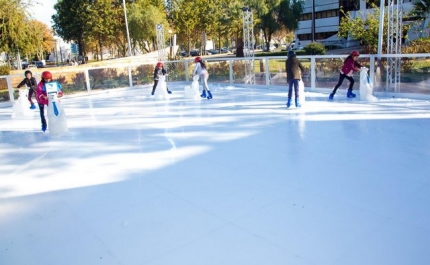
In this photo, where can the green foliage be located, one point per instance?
(4, 70)
(367, 29)
(417, 46)
(314, 48)
(421, 8)
(71, 20)
(289, 13)
(18, 31)
(266, 54)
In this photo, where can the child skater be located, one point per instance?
(349, 67)
(200, 69)
(31, 83)
(42, 96)
(159, 70)
(294, 69)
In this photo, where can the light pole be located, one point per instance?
(130, 77)
(126, 27)
(170, 43)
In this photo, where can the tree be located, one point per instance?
(289, 13)
(43, 39)
(143, 18)
(12, 31)
(101, 25)
(268, 20)
(19, 32)
(422, 11)
(185, 18)
(365, 28)
(71, 21)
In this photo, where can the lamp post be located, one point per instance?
(130, 77)
(170, 43)
(126, 26)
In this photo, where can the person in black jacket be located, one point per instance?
(159, 70)
(31, 83)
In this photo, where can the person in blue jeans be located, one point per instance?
(294, 69)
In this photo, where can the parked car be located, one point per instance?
(195, 53)
(212, 51)
(184, 54)
(224, 50)
(38, 64)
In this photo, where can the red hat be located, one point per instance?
(159, 64)
(197, 59)
(46, 75)
(355, 53)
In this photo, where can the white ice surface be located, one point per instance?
(238, 179)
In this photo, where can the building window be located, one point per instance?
(321, 14)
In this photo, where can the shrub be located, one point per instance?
(314, 48)
(4, 70)
(417, 46)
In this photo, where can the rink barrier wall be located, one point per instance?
(321, 74)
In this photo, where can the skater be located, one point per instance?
(42, 96)
(31, 83)
(294, 69)
(159, 70)
(349, 67)
(201, 70)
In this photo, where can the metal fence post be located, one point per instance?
(87, 80)
(130, 76)
(231, 70)
(313, 74)
(186, 72)
(10, 88)
(266, 60)
(372, 69)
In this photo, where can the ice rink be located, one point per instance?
(236, 180)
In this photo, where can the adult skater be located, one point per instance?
(42, 96)
(349, 67)
(158, 71)
(294, 69)
(31, 83)
(201, 70)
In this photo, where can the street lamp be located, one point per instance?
(170, 43)
(126, 26)
(130, 77)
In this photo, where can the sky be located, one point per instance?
(43, 10)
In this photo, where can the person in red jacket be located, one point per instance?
(349, 67)
(42, 96)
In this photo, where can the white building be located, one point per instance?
(328, 17)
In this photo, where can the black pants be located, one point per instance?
(30, 95)
(42, 114)
(341, 78)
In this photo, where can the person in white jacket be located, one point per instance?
(200, 69)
